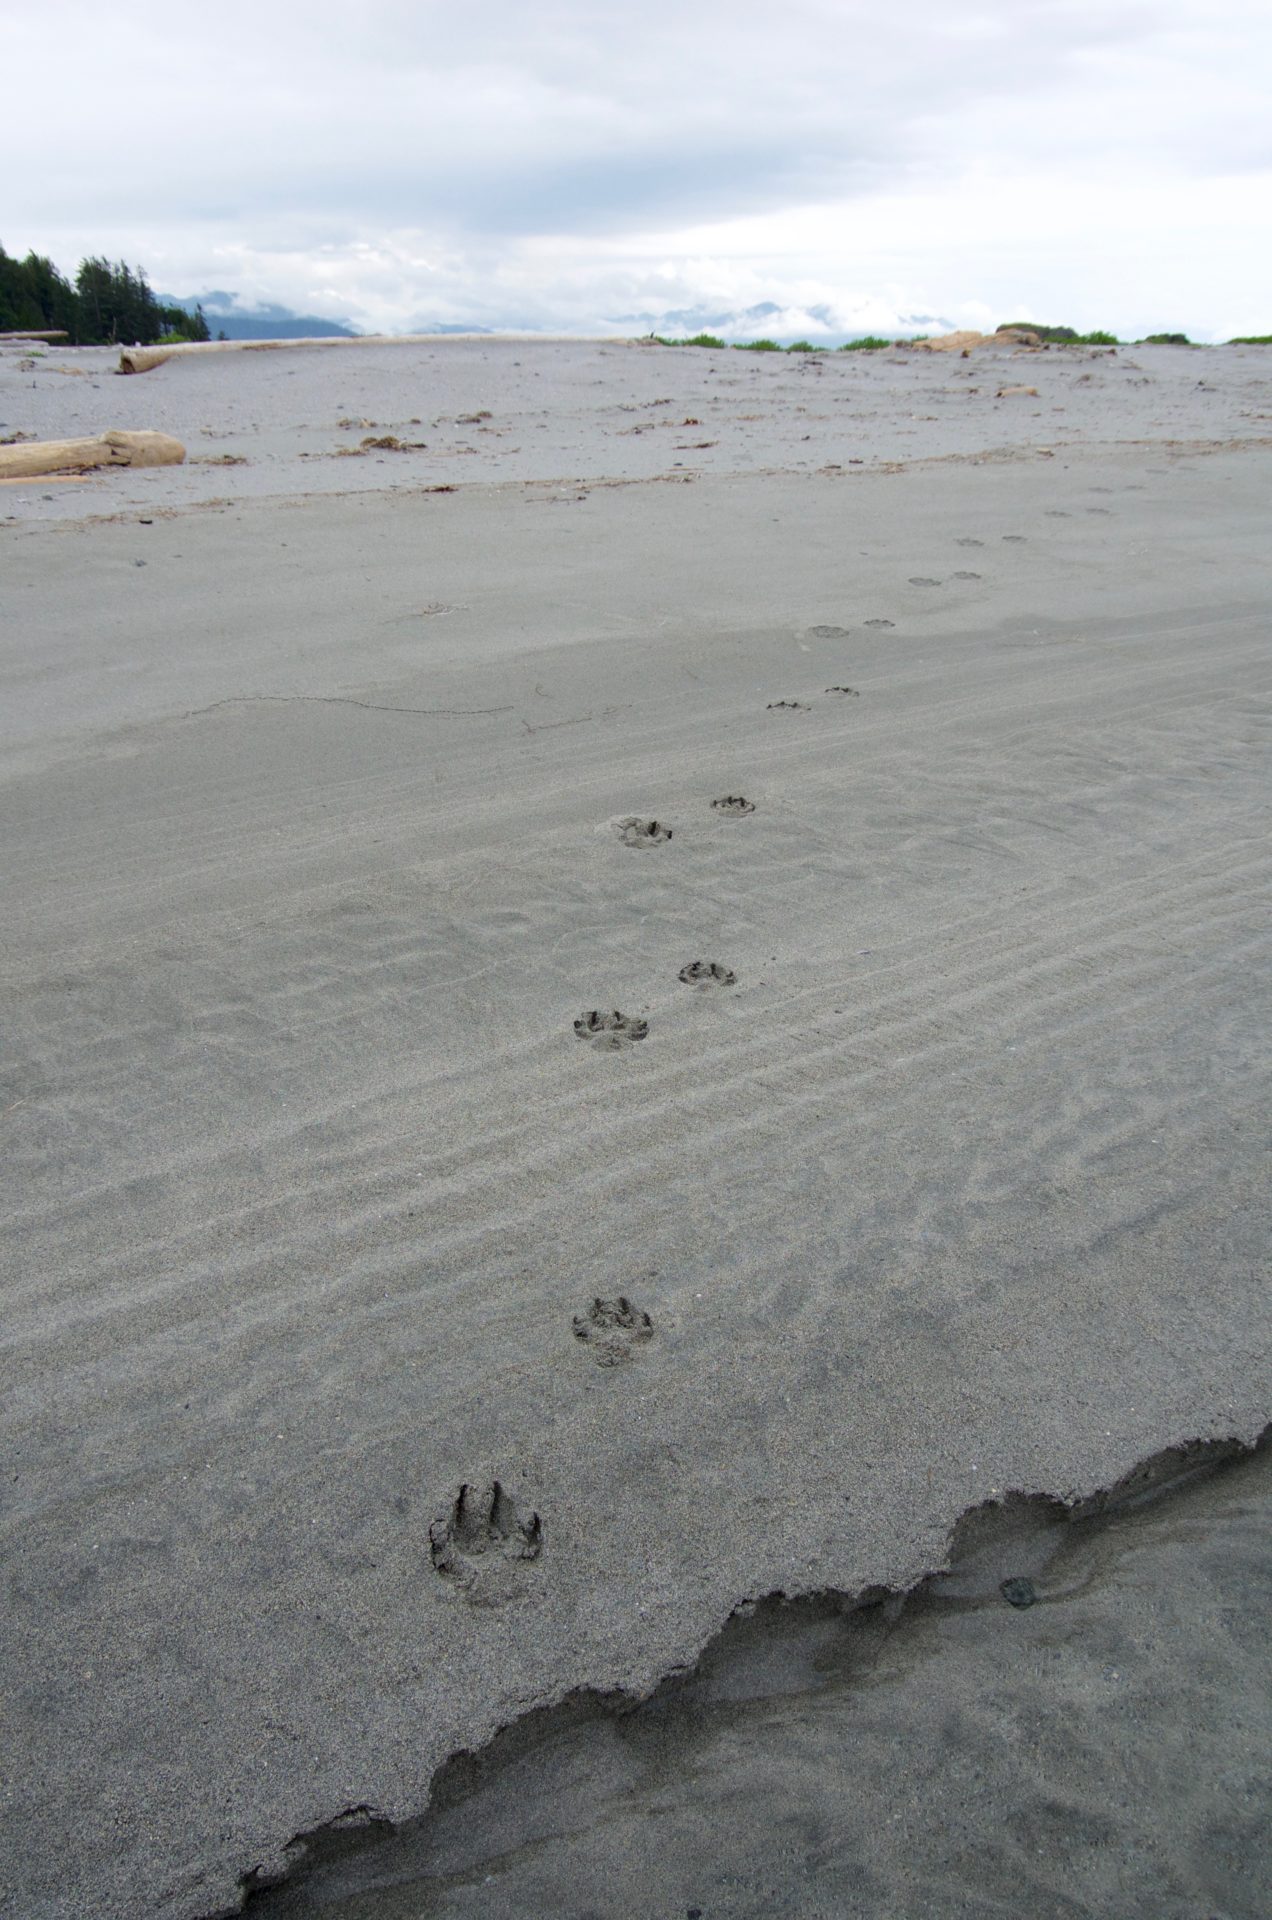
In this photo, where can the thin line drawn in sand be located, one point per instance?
(483, 1545)
(331, 700)
(610, 1030)
(707, 973)
(634, 831)
(733, 803)
(613, 1330)
(554, 726)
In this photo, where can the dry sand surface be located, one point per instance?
(335, 807)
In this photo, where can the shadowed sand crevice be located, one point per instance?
(825, 1650)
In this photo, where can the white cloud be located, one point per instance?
(567, 163)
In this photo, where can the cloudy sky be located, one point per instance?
(573, 164)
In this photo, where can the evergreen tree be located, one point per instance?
(116, 304)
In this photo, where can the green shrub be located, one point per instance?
(1251, 340)
(757, 346)
(697, 340)
(869, 343)
(1061, 336)
(1165, 340)
(1057, 336)
(804, 346)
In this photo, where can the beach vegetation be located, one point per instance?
(868, 343)
(1251, 340)
(804, 346)
(1060, 336)
(757, 346)
(695, 340)
(1166, 340)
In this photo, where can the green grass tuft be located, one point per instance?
(1165, 340)
(804, 346)
(696, 340)
(757, 346)
(869, 343)
(1251, 340)
(1062, 336)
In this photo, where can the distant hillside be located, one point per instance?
(226, 316)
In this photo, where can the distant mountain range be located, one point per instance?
(225, 314)
(768, 320)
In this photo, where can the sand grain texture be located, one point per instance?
(310, 867)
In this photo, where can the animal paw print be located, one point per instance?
(635, 832)
(852, 690)
(708, 973)
(796, 706)
(733, 803)
(484, 1546)
(610, 1029)
(881, 623)
(613, 1330)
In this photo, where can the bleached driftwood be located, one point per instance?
(30, 458)
(52, 333)
(142, 359)
(964, 342)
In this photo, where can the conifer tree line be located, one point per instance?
(109, 303)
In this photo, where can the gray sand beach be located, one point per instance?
(395, 1342)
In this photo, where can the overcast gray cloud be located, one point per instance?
(567, 164)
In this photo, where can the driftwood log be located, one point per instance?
(964, 342)
(142, 359)
(28, 459)
(52, 333)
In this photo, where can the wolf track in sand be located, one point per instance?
(635, 832)
(610, 1029)
(613, 1330)
(707, 973)
(828, 633)
(733, 803)
(483, 1544)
